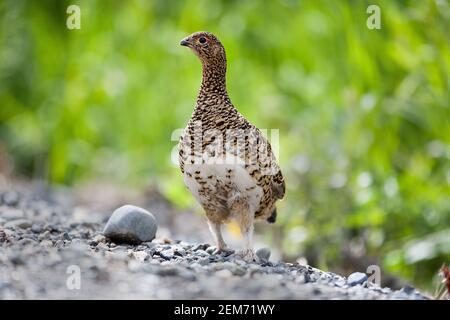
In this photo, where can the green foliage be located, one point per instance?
(363, 114)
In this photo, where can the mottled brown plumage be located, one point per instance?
(226, 162)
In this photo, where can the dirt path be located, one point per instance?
(49, 250)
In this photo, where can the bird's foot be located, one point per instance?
(224, 251)
(248, 255)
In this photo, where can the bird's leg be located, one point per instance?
(245, 221)
(216, 230)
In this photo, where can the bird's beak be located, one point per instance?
(185, 43)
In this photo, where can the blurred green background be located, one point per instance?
(364, 115)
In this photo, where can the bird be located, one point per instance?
(226, 162)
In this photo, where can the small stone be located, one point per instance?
(180, 252)
(263, 254)
(26, 241)
(356, 278)
(167, 254)
(140, 256)
(386, 290)
(201, 246)
(211, 250)
(51, 227)
(10, 198)
(130, 224)
(149, 244)
(11, 214)
(37, 228)
(99, 238)
(201, 253)
(66, 236)
(339, 282)
(408, 290)
(46, 243)
(19, 223)
(101, 247)
(44, 235)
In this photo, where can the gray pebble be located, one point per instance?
(386, 290)
(102, 247)
(11, 214)
(408, 290)
(51, 227)
(340, 282)
(167, 254)
(37, 228)
(263, 254)
(46, 243)
(130, 224)
(180, 252)
(201, 253)
(19, 223)
(356, 278)
(66, 236)
(211, 250)
(140, 255)
(201, 246)
(44, 235)
(99, 238)
(149, 244)
(10, 198)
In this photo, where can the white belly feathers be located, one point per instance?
(214, 174)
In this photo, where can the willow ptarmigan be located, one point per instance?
(226, 162)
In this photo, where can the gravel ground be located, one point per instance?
(43, 246)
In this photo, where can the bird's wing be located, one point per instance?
(277, 180)
(278, 185)
(271, 170)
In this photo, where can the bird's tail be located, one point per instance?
(273, 216)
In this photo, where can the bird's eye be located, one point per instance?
(202, 40)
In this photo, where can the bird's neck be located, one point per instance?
(214, 78)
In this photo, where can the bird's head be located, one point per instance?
(206, 46)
